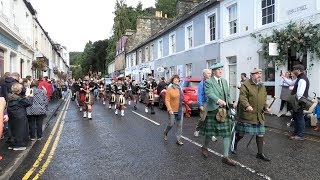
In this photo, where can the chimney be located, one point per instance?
(184, 6)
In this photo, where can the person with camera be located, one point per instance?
(300, 90)
(37, 112)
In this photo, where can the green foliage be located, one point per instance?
(167, 7)
(302, 37)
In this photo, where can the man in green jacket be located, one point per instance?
(217, 121)
(253, 97)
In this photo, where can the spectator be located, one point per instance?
(37, 112)
(285, 83)
(2, 81)
(2, 119)
(26, 83)
(18, 123)
(317, 113)
(161, 86)
(8, 82)
(243, 79)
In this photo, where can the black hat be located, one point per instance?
(298, 67)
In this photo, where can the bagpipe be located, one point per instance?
(122, 100)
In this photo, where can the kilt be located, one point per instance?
(252, 129)
(214, 128)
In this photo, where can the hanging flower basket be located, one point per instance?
(39, 64)
(301, 37)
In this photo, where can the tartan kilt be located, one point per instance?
(252, 129)
(214, 128)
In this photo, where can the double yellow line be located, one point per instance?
(48, 142)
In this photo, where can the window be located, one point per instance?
(268, 69)
(189, 36)
(160, 48)
(210, 26)
(146, 54)
(172, 43)
(189, 70)
(210, 63)
(151, 52)
(172, 70)
(267, 7)
(140, 57)
(232, 19)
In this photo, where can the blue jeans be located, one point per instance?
(299, 123)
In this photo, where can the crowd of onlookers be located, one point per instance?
(24, 103)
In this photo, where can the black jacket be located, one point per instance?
(17, 105)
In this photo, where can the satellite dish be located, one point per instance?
(160, 69)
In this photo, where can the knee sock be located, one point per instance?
(226, 146)
(206, 141)
(259, 141)
(238, 138)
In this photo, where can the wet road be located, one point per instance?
(132, 147)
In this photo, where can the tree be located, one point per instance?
(167, 7)
(121, 20)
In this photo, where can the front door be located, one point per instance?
(233, 77)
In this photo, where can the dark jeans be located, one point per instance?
(35, 124)
(19, 132)
(299, 123)
(283, 102)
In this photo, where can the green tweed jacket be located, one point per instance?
(214, 92)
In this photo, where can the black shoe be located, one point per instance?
(135, 107)
(262, 157)
(233, 152)
(228, 161)
(204, 152)
(152, 112)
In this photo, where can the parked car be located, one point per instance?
(190, 93)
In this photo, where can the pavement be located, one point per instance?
(12, 159)
(276, 122)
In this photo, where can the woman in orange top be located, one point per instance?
(173, 100)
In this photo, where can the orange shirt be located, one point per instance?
(172, 99)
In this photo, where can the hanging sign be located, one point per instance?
(273, 49)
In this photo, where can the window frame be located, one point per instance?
(266, 8)
(187, 38)
(146, 54)
(160, 48)
(208, 28)
(188, 70)
(210, 60)
(236, 20)
(172, 44)
(151, 56)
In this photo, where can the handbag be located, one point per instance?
(305, 103)
(221, 115)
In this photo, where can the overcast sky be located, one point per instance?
(74, 22)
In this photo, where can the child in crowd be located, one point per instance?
(317, 113)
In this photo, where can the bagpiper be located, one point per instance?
(128, 92)
(120, 96)
(102, 92)
(86, 97)
(150, 86)
(135, 91)
(112, 94)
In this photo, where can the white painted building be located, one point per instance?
(16, 51)
(23, 40)
(240, 52)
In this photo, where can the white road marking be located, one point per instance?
(146, 118)
(238, 163)
(212, 151)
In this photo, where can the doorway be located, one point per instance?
(233, 77)
(294, 59)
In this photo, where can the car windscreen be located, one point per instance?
(192, 84)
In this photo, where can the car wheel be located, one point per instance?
(161, 103)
